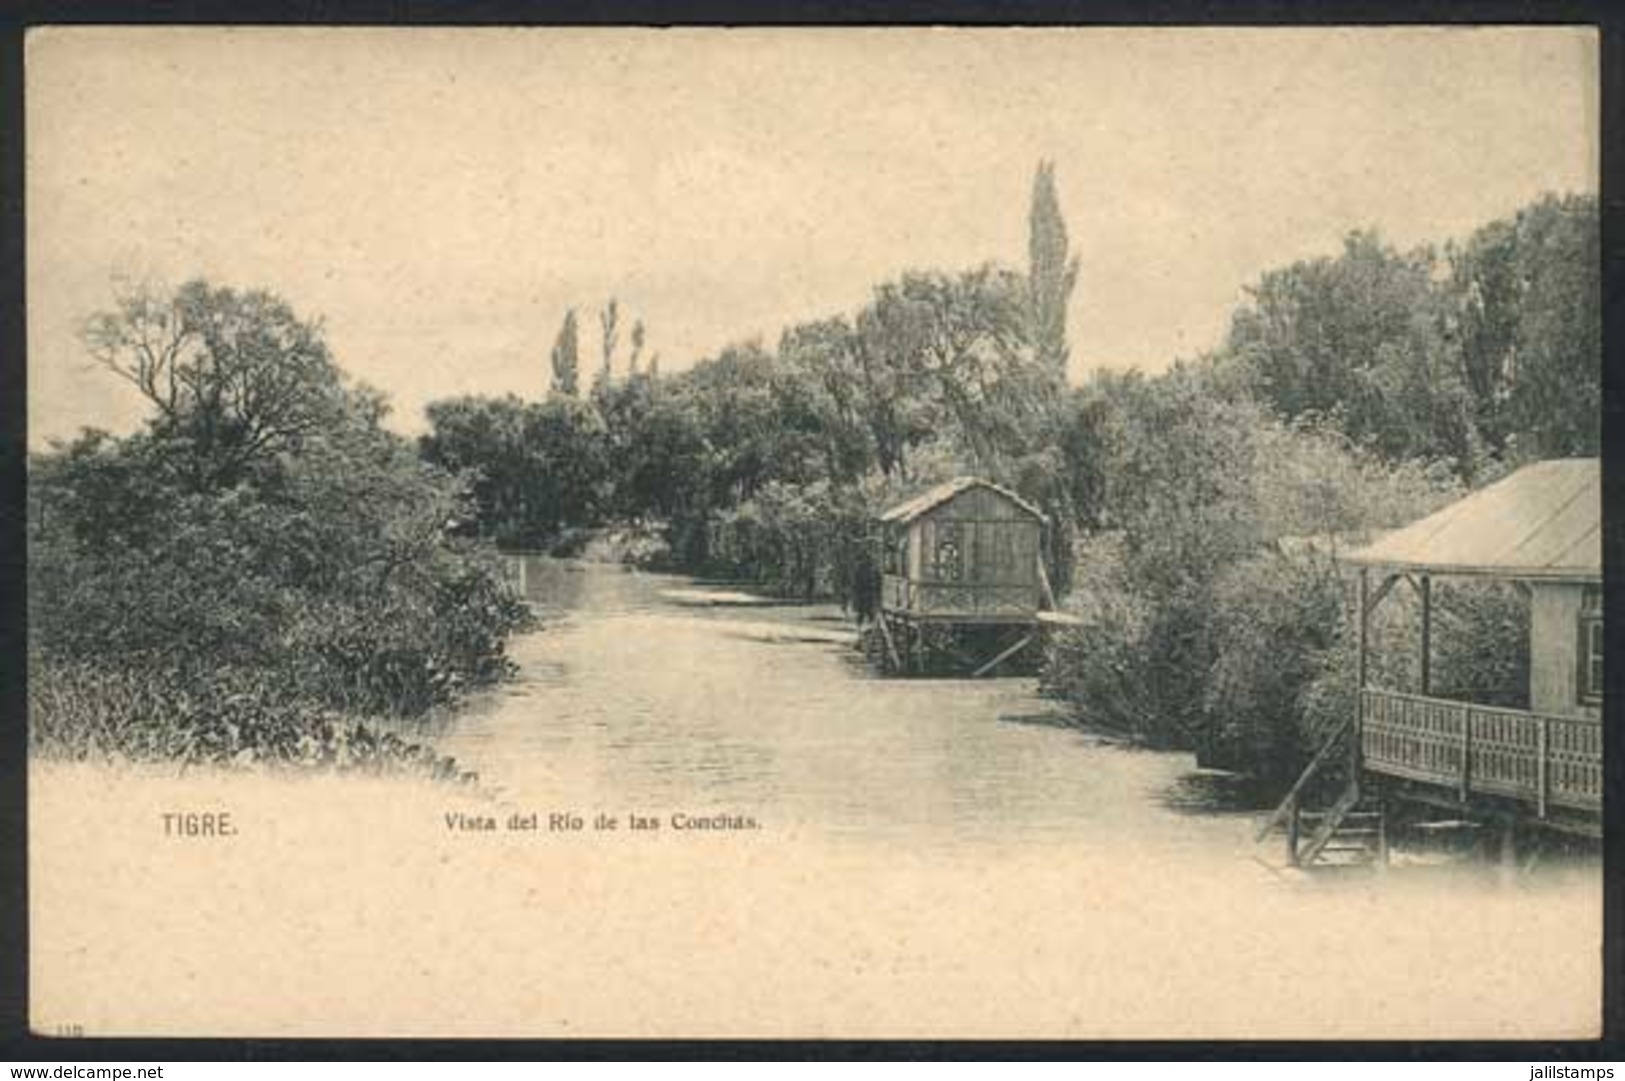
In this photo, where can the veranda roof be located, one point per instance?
(934, 497)
(1542, 522)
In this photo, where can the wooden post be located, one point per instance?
(1543, 765)
(891, 647)
(1426, 589)
(1044, 589)
(1364, 631)
(1466, 752)
(1358, 735)
(1293, 827)
(1382, 833)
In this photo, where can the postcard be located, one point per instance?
(814, 532)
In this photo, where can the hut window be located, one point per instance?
(950, 567)
(1590, 682)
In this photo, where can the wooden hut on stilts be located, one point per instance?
(963, 584)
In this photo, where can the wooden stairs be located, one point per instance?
(1356, 837)
(1349, 833)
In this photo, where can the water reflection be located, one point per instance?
(1207, 792)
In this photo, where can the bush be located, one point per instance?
(339, 575)
(811, 541)
(1211, 594)
(1275, 615)
(1103, 666)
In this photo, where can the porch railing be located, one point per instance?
(1535, 758)
(899, 593)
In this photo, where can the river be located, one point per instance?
(654, 691)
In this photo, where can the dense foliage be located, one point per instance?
(260, 566)
(1491, 351)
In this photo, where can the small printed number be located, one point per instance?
(70, 1030)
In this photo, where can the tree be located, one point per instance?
(563, 471)
(482, 438)
(1360, 338)
(823, 393)
(1525, 302)
(1501, 357)
(637, 348)
(660, 454)
(732, 396)
(567, 357)
(960, 342)
(609, 323)
(1051, 274)
(236, 379)
(536, 468)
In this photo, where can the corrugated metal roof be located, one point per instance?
(934, 497)
(1544, 521)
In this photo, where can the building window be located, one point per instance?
(1591, 676)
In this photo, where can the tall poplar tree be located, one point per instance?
(567, 357)
(609, 323)
(1051, 274)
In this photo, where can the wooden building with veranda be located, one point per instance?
(1538, 767)
(965, 554)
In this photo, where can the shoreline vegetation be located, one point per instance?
(265, 574)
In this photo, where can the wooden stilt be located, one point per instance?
(1382, 834)
(1535, 849)
(1005, 655)
(891, 647)
(1508, 861)
(1294, 826)
(1047, 593)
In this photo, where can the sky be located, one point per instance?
(439, 198)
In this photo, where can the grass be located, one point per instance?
(82, 712)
